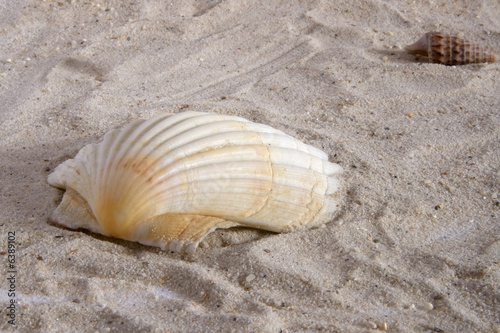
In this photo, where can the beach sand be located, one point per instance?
(416, 246)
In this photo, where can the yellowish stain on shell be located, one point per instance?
(169, 181)
(450, 50)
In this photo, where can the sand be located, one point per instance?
(416, 247)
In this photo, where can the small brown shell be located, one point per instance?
(450, 50)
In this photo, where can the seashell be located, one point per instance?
(169, 181)
(450, 50)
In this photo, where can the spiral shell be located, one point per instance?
(169, 181)
(450, 50)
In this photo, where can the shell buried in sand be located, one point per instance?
(170, 180)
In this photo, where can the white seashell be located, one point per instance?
(169, 181)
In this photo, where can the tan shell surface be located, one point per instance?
(450, 50)
(170, 180)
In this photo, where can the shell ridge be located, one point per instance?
(259, 160)
(147, 198)
(94, 176)
(186, 127)
(131, 189)
(449, 52)
(85, 174)
(270, 187)
(294, 202)
(314, 216)
(108, 187)
(166, 176)
(97, 168)
(99, 150)
(173, 149)
(315, 190)
(282, 140)
(105, 155)
(132, 134)
(137, 132)
(275, 181)
(476, 54)
(133, 138)
(174, 196)
(467, 50)
(191, 155)
(181, 152)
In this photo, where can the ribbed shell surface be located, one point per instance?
(170, 180)
(450, 50)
